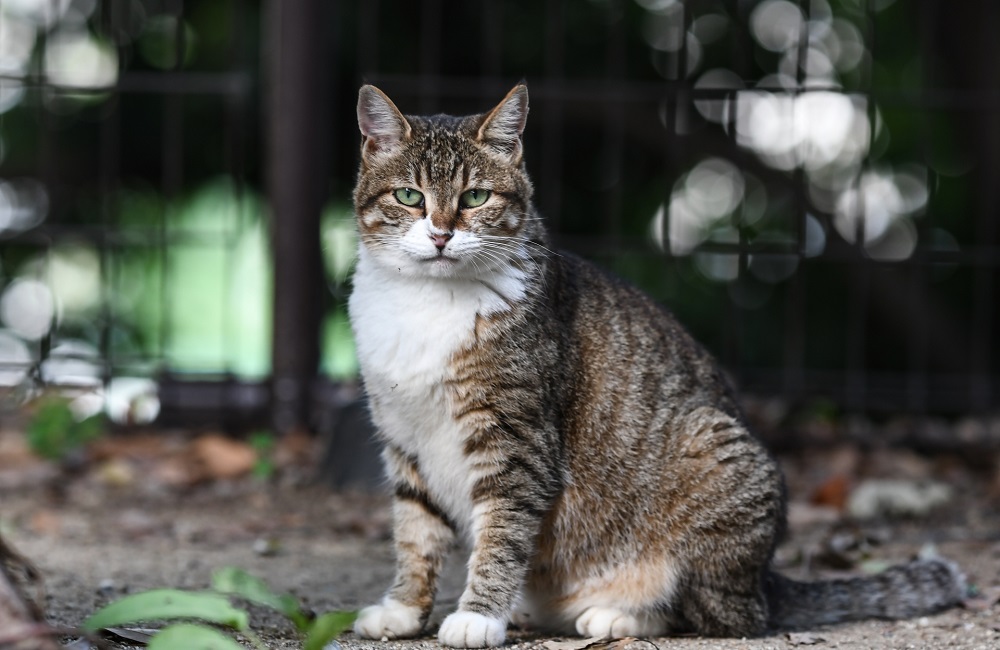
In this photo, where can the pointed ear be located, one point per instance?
(381, 123)
(502, 127)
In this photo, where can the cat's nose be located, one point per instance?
(440, 241)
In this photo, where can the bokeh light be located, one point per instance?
(794, 118)
(15, 359)
(23, 204)
(27, 308)
(74, 58)
(72, 362)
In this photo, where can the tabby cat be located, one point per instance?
(557, 419)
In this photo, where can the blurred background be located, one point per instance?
(810, 185)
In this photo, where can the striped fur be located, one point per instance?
(557, 420)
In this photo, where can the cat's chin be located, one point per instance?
(441, 267)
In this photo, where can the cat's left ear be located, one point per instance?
(502, 127)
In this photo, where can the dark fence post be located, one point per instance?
(295, 57)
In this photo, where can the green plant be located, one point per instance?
(54, 431)
(263, 443)
(214, 607)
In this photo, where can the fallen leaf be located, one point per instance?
(178, 471)
(80, 644)
(625, 642)
(804, 638)
(223, 458)
(139, 636)
(574, 644)
(595, 643)
(833, 492)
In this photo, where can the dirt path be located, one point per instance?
(93, 544)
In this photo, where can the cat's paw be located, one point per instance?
(391, 620)
(471, 630)
(606, 622)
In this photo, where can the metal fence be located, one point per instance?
(809, 185)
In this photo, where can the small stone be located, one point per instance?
(106, 587)
(266, 546)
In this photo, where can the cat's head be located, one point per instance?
(444, 196)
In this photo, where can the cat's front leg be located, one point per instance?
(423, 536)
(509, 504)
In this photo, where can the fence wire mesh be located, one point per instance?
(809, 185)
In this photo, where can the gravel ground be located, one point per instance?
(93, 543)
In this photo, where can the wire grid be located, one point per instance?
(602, 120)
(940, 352)
(88, 158)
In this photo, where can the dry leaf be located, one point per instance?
(223, 458)
(574, 644)
(595, 643)
(177, 471)
(137, 636)
(833, 492)
(624, 642)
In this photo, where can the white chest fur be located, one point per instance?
(406, 330)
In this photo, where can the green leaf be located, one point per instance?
(53, 431)
(165, 604)
(235, 581)
(188, 636)
(327, 627)
(49, 429)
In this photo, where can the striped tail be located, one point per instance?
(917, 588)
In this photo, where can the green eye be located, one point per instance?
(409, 196)
(473, 198)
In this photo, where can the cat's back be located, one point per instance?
(629, 346)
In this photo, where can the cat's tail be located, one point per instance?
(916, 588)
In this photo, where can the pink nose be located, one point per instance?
(440, 241)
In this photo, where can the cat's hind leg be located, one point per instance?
(603, 622)
(630, 600)
(734, 609)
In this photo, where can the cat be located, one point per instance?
(557, 420)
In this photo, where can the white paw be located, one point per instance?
(603, 622)
(470, 630)
(392, 620)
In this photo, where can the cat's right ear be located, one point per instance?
(384, 128)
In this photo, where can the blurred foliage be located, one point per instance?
(164, 188)
(54, 431)
(263, 443)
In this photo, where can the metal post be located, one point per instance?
(298, 163)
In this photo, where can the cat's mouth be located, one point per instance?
(440, 258)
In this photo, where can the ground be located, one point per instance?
(95, 536)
